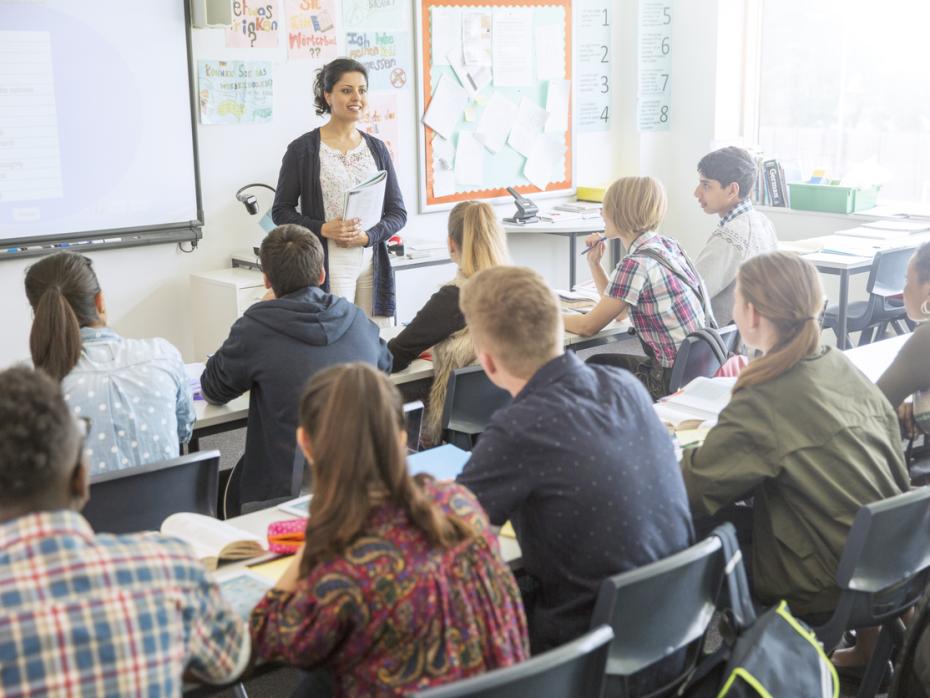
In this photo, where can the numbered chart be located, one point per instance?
(655, 65)
(593, 71)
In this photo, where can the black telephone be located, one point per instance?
(526, 209)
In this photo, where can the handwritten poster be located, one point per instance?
(375, 14)
(655, 65)
(311, 30)
(254, 25)
(593, 70)
(235, 92)
(380, 120)
(386, 56)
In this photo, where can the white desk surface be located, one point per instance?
(584, 225)
(843, 262)
(872, 359)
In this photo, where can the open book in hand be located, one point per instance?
(365, 201)
(213, 540)
(697, 404)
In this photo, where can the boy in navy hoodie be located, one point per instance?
(274, 349)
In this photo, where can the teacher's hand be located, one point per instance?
(340, 230)
(360, 240)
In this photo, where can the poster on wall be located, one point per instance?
(593, 66)
(235, 92)
(311, 30)
(655, 65)
(386, 56)
(254, 25)
(386, 15)
(380, 120)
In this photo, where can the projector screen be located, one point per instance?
(97, 131)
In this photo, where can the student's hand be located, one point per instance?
(341, 231)
(906, 417)
(597, 251)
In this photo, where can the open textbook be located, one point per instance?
(697, 404)
(212, 539)
(365, 200)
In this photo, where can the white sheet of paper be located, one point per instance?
(446, 29)
(443, 154)
(512, 41)
(476, 38)
(469, 160)
(544, 162)
(496, 122)
(443, 182)
(550, 52)
(446, 107)
(530, 122)
(557, 102)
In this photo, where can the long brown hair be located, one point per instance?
(784, 289)
(474, 228)
(62, 290)
(353, 416)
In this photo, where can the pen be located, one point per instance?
(600, 239)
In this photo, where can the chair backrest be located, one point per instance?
(885, 565)
(413, 416)
(887, 275)
(139, 499)
(471, 399)
(575, 669)
(660, 608)
(701, 353)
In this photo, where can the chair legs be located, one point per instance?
(890, 639)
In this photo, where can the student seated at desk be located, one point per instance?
(579, 462)
(134, 391)
(806, 435)
(400, 584)
(727, 177)
(274, 348)
(655, 282)
(909, 373)
(476, 241)
(85, 614)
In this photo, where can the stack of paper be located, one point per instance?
(365, 201)
(194, 371)
(698, 404)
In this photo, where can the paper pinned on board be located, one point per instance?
(544, 164)
(469, 160)
(550, 52)
(446, 107)
(476, 38)
(557, 103)
(530, 122)
(512, 41)
(446, 34)
(496, 121)
(443, 154)
(443, 183)
(473, 79)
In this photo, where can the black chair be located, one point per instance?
(699, 355)
(883, 307)
(573, 670)
(883, 571)
(471, 399)
(139, 499)
(660, 613)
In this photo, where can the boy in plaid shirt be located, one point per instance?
(655, 283)
(89, 615)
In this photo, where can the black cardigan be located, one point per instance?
(437, 320)
(300, 179)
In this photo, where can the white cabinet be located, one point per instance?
(218, 299)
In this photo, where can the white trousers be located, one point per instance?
(351, 276)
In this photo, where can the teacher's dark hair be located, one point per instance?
(62, 290)
(329, 75)
(292, 259)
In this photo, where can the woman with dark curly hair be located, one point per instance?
(316, 171)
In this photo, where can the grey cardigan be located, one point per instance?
(299, 179)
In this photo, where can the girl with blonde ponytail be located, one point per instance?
(400, 584)
(476, 242)
(806, 436)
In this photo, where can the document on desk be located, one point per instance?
(446, 106)
(513, 48)
(530, 122)
(496, 121)
(469, 160)
(365, 201)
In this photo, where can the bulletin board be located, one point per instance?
(516, 56)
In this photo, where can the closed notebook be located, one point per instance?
(212, 539)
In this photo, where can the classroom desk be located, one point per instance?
(569, 229)
(873, 359)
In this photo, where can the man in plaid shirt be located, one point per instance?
(86, 615)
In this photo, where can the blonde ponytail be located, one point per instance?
(786, 291)
(474, 228)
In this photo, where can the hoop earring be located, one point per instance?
(924, 308)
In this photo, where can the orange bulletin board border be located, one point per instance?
(425, 90)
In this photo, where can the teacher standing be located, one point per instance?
(319, 167)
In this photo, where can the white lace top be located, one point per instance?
(340, 172)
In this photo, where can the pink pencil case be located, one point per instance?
(286, 537)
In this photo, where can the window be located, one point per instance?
(842, 82)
